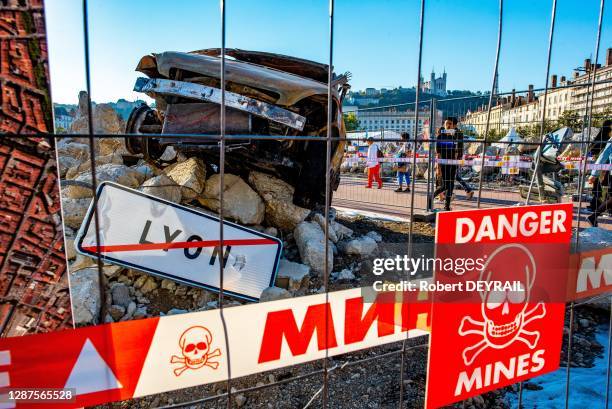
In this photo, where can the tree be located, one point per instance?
(351, 122)
(571, 119)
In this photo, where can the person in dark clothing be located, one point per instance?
(605, 158)
(597, 146)
(449, 146)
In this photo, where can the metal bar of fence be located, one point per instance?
(432, 129)
(589, 113)
(326, 272)
(536, 170)
(221, 203)
(609, 355)
(412, 182)
(92, 159)
(569, 353)
(581, 180)
(493, 83)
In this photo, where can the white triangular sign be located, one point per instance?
(91, 373)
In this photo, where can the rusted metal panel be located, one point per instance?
(211, 94)
(204, 118)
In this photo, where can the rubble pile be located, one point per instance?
(260, 201)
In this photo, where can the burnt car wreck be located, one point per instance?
(274, 97)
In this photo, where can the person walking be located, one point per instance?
(605, 158)
(449, 146)
(597, 146)
(373, 165)
(403, 173)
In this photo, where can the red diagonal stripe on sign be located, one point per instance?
(179, 245)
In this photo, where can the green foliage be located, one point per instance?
(350, 122)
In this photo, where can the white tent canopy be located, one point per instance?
(511, 137)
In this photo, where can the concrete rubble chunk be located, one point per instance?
(121, 295)
(278, 197)
(163, 187)
(111, 270)
(65, 163)
(112, 146)
(274, 293)
(85, 295)
(294, 275)
(375, 236)
(75, 150)
(74, 171)
(284, 215)
(74, 211)
(190, 175)
(129, 313)
(342, 231)
(70, 250)
(109, 172)
(116, 312)
(275, 188)
(105, 119)
(320, 219)
(240, 202)
(310, 240)
(346, 274)
(149, 285)
(363, 246)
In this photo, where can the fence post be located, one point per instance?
(430, 157)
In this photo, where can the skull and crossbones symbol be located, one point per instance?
(195, 350)
(504, 313)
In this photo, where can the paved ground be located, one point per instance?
(352, 194)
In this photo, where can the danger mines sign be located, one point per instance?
(496, 336)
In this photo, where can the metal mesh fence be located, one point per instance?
(488, 172)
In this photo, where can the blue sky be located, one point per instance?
(376, 40)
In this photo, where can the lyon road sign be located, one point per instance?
(179, 243)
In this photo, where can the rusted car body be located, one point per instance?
(275, 97)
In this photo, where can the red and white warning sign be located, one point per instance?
(590, 274)
(177, 242)
(137, 358)
(501, 323)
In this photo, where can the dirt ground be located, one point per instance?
(373, 383)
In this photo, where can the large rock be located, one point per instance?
(85, 295)
(105, 119)
(110, 146)
(74, 211)
(110, 172)
(77, 151)
(363, 246)
(268, 185)
(274, 293)
(164, 187)
(121, 295)
(292, 276)
(337, 231)
(278, 197)
(240, 202)
(74, 171)
(310, 240)
(65, 163)
(190, 175)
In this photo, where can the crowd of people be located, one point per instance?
(449, 147)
